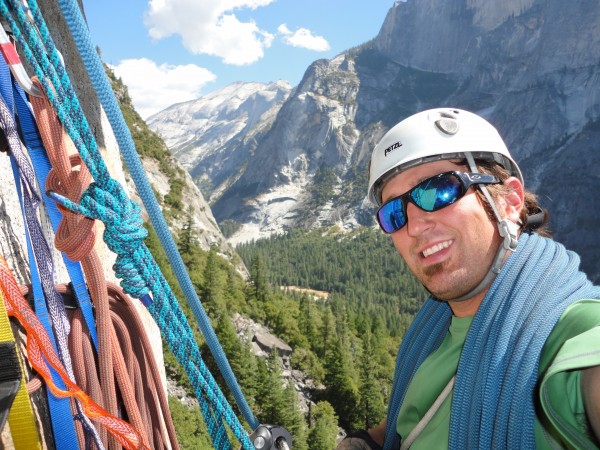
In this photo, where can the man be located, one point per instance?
(506, 351)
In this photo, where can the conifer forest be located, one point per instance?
(345, 342)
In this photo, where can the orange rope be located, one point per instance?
(76, 238)
(39, 347)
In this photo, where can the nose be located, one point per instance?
(419, 221)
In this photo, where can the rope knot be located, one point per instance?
(124, 232)
(76, 234)
(120, 214)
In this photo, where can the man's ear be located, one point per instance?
(512, 203)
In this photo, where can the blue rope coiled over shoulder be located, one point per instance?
(106, 200)
(493, 398)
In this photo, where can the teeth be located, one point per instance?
(436, 248)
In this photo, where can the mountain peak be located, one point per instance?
(197, 131)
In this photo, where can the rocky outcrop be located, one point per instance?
(207, 231)
(267, 342)
(263, 342)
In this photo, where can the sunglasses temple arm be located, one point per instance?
(489, 198)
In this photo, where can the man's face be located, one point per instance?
(450, 250)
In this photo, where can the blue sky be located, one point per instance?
(169, 51)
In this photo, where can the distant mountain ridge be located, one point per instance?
(531, 67)
(198, 131)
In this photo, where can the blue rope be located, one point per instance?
(524, 303)
(105, 93)
(106, 200)
(412, 353)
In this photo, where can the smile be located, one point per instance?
(436, 248)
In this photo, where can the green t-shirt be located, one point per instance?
(567, 348)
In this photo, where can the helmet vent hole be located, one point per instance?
(446, 115)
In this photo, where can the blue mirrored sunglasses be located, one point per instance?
(430, 195)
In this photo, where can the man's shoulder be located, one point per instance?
(577, 319)
(571, 347)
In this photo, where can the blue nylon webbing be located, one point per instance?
(42, 166)
(60, 408)
(30, 200)
(61, 418)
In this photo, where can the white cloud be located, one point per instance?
(154, 87)
(303, 38)
(210, 27)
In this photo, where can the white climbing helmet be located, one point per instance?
(435, 134)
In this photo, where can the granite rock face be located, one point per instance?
(198, 132)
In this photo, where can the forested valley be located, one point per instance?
(345, 338)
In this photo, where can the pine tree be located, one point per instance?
(187, 237)
(235, 300)
(293, 419)
(258, 279)
(189, 249)
(309, 322)
(271, 400)
(212, 290)
(340, 312)
(323, 432)
(371, 408)
(340, 391)
(327, 332)
(243, 363)
(285, 324)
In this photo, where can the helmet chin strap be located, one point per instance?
(508, 231)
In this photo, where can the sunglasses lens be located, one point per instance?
(391, 216)
(430, 195)
(437, 192)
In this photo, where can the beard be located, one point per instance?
(431, 271)
(456, 290)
